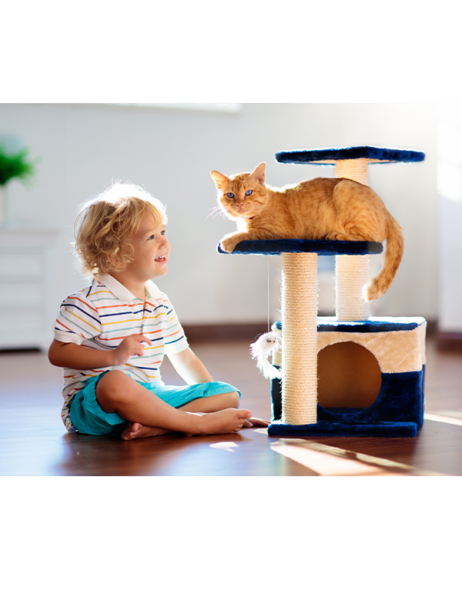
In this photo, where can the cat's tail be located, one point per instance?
(392, 258)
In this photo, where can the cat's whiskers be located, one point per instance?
(217, 210)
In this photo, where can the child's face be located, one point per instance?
(151, 251)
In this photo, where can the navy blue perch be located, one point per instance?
(321, 247)
(328, 156)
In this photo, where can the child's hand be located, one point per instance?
(130, 346)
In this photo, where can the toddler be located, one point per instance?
(111, 336)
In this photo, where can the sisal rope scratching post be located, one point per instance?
(355, 169)
(299, 345)
(351, 272)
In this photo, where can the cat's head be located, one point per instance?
(243, 195)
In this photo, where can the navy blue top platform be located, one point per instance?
(330, 156)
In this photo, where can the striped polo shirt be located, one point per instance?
(101, 315)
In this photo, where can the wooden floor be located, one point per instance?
(33, 440)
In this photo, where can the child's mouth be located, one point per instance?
(161, 259)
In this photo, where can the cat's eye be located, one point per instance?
(230, 195)
(248, 192)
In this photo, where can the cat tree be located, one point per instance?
(349, 374)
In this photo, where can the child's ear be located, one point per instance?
(117, 264)
(259, 173)
(220, 180)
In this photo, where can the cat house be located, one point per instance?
(348, 375)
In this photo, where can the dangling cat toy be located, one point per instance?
(261, 349)
(323, 208)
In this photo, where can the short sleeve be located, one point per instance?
(77, 319)
(174, 337)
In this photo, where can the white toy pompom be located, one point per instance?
(261, 349)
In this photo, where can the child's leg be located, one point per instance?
(200, 405)
(117, 392)
(220, 402)
(212, 403)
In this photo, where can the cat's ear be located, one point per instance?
(220, 180)
(259, 173)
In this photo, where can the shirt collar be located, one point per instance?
(121, 291)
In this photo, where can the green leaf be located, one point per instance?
(16, 166)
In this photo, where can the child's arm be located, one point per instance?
(189, 367)
(73, 356)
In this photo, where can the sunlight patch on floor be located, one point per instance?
(444, 417)
(327, 460)
(228, 446)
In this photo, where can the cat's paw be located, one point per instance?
(335, 236)
(227, 244)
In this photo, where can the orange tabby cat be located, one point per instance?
(318, 209)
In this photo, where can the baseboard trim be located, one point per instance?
(225, 332)
(449, 340)
(432, 327)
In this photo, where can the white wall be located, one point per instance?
(450, 225)
(85, 147)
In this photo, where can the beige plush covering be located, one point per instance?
(396, 351)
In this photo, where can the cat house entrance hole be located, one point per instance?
(349, 376)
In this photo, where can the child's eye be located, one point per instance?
(153, 236)
(248, 192)
(230, 195)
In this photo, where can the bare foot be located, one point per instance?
(137, 430)
(229, 420)
(256, 422)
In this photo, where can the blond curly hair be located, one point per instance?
(105, 224)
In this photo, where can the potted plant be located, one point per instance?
(13, 166)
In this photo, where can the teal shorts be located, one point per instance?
(87, 416)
